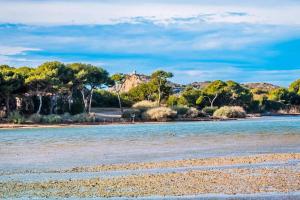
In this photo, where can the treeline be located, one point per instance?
(229, 93)
(219, 93)
(52, 87)
(57, 88)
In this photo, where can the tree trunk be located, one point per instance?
(84, 101)
(90, 100)
(51, 105)
(41, 103)
(18, 101)
(212, 102)
(7, 104)
(70, 102)
(120, 103)
(159, 96)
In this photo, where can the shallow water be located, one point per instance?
(53, 148)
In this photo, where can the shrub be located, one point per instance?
(273, 106)
(66, 117)
(52, 119)
(159, 114)
(192, 113)
(16, 118)
(230, 112)
(290, 110)
(144, 105)
(127, 114)
(209, 110)
(35, 118)
(181, 110)
(85, 117)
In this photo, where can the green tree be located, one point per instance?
(281, 95)
(172, 100)
(295, 87)
(190, 95)
(159, 80)
(87, 78)
(11, 84)
(45, 79)
(118, 80)
(238, 95)
(143, 91)
(213, 91)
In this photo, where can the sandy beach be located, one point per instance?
(265, 173)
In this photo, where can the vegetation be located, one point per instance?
(16, 118)
(230, 112)
(131, 113)
(159, 114)
(118, 80)
(144, 105)
(209, 111)
(55, 92)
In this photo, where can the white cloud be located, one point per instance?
(14, 50)
(108, 12)
(7, 53)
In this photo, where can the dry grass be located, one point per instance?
(159, 114)
(230, 112)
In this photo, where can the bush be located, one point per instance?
(159, 114)
(36, 118)
(181, 110)
(16, 118)
(52, 119)
(272, 106)
(192, 113)
(290, 110)
(209, 110)
(144, 105)
(84, 117)
(128, 113)
(66, 117)
(230, 112)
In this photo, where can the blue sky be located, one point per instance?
(199, 40)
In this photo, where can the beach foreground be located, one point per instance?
(257, 174)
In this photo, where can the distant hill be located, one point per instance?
(261, 86)
(132, 80)
(199, 85)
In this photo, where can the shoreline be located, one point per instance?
(62, 125)
(65, 125)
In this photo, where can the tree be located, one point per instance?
(238, 95)
(281, 95)
(190, 95)
(119, 80)
(11, 83)
(295, 87)
(86, 79)
(159, 79)
(143, 91)
(45, 79)
(67, 86)
(213, 91)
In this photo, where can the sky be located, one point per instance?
(197, 40)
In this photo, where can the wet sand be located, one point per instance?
(282, 177)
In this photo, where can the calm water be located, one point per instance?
(54, 148)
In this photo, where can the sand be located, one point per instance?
(230, 180)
